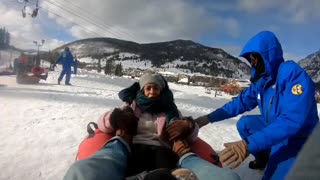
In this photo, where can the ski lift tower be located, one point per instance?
(38, 44)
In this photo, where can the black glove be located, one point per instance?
(202, 120)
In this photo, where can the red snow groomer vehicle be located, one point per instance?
(29, 71)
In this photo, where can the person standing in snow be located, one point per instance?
(15, 65)
(284, 93)
(66, 59)
(75, 65)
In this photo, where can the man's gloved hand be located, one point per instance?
(202, 120)
(180, 129)
(234, 154)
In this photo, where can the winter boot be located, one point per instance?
(68, 84)
(45, 76)
(261, 160)
(59, 81)
(181, 147)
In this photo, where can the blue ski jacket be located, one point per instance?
(66, 59)
(285, 95)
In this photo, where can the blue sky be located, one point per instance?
(215, 23)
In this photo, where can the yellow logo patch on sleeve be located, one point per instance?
(297, 89)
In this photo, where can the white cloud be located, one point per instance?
(142, 21)
(303, 11)
(232, 26)
(258, 5)
(52, 44)
(145, 20)
(23, 31)
(293, 11)
(233, 50)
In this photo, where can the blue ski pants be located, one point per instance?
(282, 155)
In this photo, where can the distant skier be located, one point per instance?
(75, 65)
(66, 59)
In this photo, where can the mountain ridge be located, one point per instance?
(311, 64)
(196, 57)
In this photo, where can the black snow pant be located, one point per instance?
(149, 157)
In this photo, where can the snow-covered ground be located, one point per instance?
(42, 125)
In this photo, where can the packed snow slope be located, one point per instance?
(42, 125)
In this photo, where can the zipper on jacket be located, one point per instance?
(269, 106)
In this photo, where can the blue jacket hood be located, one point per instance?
(267, 45)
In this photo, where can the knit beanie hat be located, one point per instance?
(149, 78)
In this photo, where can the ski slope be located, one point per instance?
(42, 125)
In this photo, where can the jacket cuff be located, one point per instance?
(218, 115)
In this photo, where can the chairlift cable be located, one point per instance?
(101, 20)
(86, 20)
(42, 8)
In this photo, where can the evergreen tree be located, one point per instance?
(108, 67)
(4, 38)
(118, 70)
(99, 65)
(7, 39)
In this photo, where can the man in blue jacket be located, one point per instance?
(285, 95)
(66, 59)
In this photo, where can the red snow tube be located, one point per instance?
(37, 70)
(205, 151)
(96, 139)
(93, 142)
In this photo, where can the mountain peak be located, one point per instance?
(192, 56)
(312, 65)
